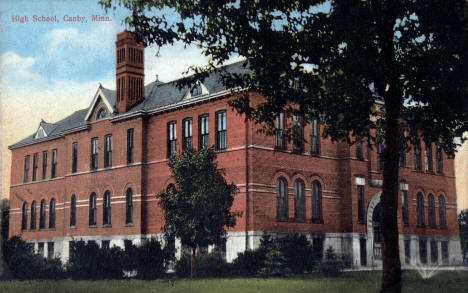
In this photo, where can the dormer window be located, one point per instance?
(40, 133)
(196, 90)
(101, 114)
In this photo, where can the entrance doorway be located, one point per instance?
(377, 231)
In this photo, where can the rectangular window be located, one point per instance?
(105, 244)
(428, 157)
(280, 135)
(221, 130)
(360, 196)
(108, 151)
(44, 164)
(74, 158)
(187, 134)
(297, 133)
(423, 251)
(445, 252)
(94, 154)
(34, 169)
(314, 137)
(404, 207)
(359, 152)
(402, 160)
(417, 156)
(317, 248)
(40, 248)
(203, 130)
(439, 159)
(129, 145)
(381, 154)
(407, 244)
(171, 138)
(26, 168)
(434, 252)
(50, 250)
(363, 251)
(53, 169)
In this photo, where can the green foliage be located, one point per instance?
(332, 266)
(249, 262)
(4, 214)
(463, 227)
(211, 265)
(275, 264)
(148, 259)
(24, 264)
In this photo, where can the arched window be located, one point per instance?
(281, 199)
(420, 208)
(52, 214)
(431, 205)
(92, 209)
(106, 208)
(24, 216)
(316, 202)
(32, 224)
(442, 217)
(299, 200)
(73, 211)
(102, 114)
(129, 206)
(42, 215)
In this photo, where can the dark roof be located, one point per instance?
(157, 95)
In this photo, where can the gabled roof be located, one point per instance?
(158, 96)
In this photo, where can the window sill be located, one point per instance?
(72, 227)
(51, 229)
(92, 226)
(129, 225)
(317, 221)
(443, 227)
(107, 226)
(421, 226)
(361, 222)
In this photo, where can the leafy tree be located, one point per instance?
(463, 227)
(4, 226)
(197, 209)
(334, 60)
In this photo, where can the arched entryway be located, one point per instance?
(374, 230)
(377, 231)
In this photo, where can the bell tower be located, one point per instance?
(129, 73)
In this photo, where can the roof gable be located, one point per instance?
(107, 98)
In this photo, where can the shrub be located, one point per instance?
(275, 263)
(249, 262)
(298, 253)
(212, 265)
(332, 266)
(150, 260)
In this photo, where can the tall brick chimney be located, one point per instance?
(129, 74)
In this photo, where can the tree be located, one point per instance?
(329, 57)
(463, 227)
(197, 208)
(4, 226)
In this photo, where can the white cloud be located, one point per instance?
(16, 70)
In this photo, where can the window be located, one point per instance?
(34, 170)
(94, 154)
(73, 211)
(105, 244)
(404, 207)
(129, 206)
(359, 153)
(431, 211)
(32, 224)
(417, 155)
(171, 138)
(314, 137)
(26, 168)
(281, 199)
(129, 145)
(439, 159)
(407, 245)
(40, 248)
(317, 247)
(74, 157)
(108, 151)
(187, 134)
(420, 208)
(50, 250)
(101, 114)
(363, 251)
(402, 159)
(434, 252)
(92, 209)
(42, 215)
(203, 131)
(317, 202)
(280, 135)
(442, 217)
(24, 216)
(428, 156)
(360, 201)
(52, 214)
(196, 90)
(44, 164)
(380, 154)
(106, 208)
(445, 252)
(221, 130)
(53, 168)
(297, 133)
(299, 200)
(423, 251)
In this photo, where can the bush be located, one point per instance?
(249, 262)
(149, 259)
(275, 264)
(212, 265)
(332, 266)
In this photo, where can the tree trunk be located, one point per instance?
(391, 274)
(193, 267)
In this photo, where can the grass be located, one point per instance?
(452, 282)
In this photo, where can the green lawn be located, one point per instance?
(349, 282)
